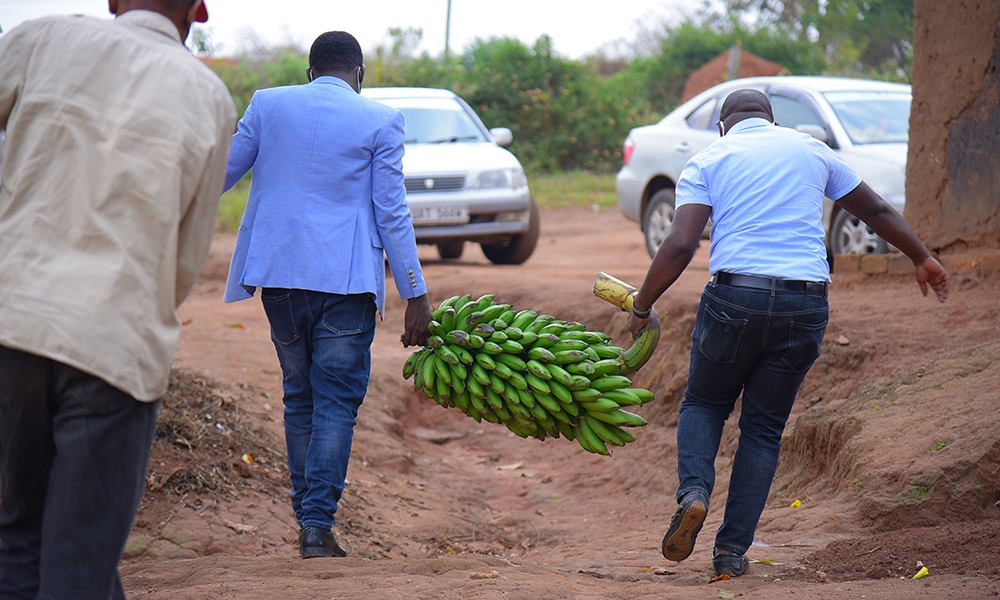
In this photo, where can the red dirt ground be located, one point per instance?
(893, 451)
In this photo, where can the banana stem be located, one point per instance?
(615, 291)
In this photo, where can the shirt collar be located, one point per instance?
(751, 123)
(331, 80)
(152, 21)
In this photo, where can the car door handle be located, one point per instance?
(682, 147)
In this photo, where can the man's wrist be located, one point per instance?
(641, 314)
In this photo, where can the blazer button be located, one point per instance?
(414, 284)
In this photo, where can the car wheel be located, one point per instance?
(658, 219)
(451, 250)
(519, 248)
(851, 235)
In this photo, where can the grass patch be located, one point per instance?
(581, 189)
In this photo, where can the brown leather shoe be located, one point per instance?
(314, 542)
(678, 543)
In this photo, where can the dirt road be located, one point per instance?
(893, 451)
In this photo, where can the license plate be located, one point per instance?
(439, 215)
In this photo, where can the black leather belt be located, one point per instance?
(809, 288)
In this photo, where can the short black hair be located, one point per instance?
(746, 100)
(335, 51)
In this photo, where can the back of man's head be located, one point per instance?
(747, 102)
(335, 51)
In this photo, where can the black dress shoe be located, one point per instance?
(314, 542)
(729, 563)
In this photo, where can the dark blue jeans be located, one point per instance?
(324, 347)
(759, 343)
(73, 458)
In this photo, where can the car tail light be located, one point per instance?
(627, 150)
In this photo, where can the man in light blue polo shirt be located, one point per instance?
(327, 206)
(761, 319)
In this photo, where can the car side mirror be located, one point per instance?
(502, 136)
(814, 130)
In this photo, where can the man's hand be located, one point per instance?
(930, 272)
(635, 324)
(418, 317)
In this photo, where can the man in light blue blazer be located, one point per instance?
(327, 205)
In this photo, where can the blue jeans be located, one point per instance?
(324, 347)
(759, 343)
(73, 458)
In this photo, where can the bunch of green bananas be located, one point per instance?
(539, 376)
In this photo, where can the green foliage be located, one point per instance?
(242, 78)
(562, 113)
(690, 45)
(856, 38)
(289, 69)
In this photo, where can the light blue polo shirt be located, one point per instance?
(766, 185)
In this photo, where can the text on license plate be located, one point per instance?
(439, 215)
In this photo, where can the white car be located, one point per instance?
(461, 185)
(866, 122)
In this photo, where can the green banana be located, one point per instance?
(541, 355)
(539, 322)
(513, 333)
(593, 440)
(486, 361)
(565, 357)
(642, 348)
(599, 405)
(522, 318)
(445, 353)
(602, 431)
(537, 369)
(565, 344)
(514, 362)
(623, 396)
(411, 363)
(587, 395)
(447, 319)
(610, 382)
(527, 338)
(546, 340)
(608, 366)
(538, 384)
(484, 301)
(479, 373)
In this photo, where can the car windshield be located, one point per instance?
(872, 117)
(436, 121)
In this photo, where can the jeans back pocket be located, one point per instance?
(278, 308)
(804, 341)
(719, 335)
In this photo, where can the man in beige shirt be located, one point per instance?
(114, 162)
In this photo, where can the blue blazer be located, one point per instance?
(327, 203)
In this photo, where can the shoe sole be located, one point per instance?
(678, 543)
(319, 552)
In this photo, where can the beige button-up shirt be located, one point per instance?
(114, 162)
